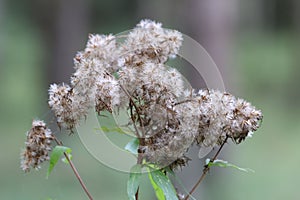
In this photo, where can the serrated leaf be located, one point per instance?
(133, 146)
(161, 183)
(57, 152)
(223, 163)
(134, 181)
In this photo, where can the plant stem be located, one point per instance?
(133, 121)
(205, 170)
(137, 111)
(75, 171)
(141, 138)
(139, 161)
(137, 194)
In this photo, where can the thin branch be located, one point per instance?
(133, 120)
(141, 139)
(136, 108)
(184, 101)
(75, 171)
(137, 194)
(205, 170)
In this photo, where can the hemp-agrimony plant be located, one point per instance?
(165, 115)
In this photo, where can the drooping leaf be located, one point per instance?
(178, 180)
(223, 163)
(106, 129)
(133, 146)
(161, 183)
(118, 130)
(65, 160)
(57, 152)
(134, 181)
(158, 191)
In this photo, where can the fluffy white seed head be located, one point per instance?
(149, 42)
(224, 115)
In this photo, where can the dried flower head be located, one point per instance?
(165, 115)
(98, 58)
(149, 42)
(207, 118)
(38, 146)
(68, 104)
(223, 115)
(168, 146)
(107, 94)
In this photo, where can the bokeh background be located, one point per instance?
(254, 43)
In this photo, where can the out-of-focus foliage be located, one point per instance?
(265, 73)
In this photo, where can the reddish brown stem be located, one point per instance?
(141, 138)
(137, 110)
(205, 170)
(75, 172)
(137, 194)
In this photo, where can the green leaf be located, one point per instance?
(176, 178)
(57, 152)
(134, 181)
(106, 129)
(116, 75)
(223, 163)
(133, 146)
(120, 130)
(158, 191)
(162, 185)
(65, 160)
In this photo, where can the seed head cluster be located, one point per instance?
(38, 146)
(222, 115)
(166, 115)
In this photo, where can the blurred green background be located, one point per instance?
(254, 43)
